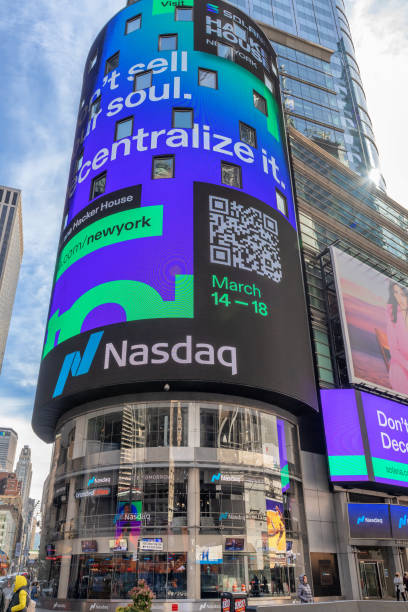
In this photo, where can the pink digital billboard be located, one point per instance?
(374, 316)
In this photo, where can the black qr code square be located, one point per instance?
(244, 237)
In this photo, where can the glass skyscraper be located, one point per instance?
(321, 84)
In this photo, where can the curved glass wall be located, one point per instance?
(194, 497)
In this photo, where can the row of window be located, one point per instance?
(163, 167)
(8, 196)
(182, 13)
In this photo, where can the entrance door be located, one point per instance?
(372, 579)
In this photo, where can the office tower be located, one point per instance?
(322, 89)
(8, 445)
(173, 372)
(24, 474)
(11, 254)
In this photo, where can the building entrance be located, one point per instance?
(372, 579)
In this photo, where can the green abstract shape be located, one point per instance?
(347, 465)
(272, 123)
(285, 476)
(391, 470)
(163, 7)
(139, 301)
(141, 223)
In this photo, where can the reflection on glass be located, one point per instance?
(163, 167)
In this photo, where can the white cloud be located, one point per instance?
(380, 34)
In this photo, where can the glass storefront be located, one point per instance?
(194, 497)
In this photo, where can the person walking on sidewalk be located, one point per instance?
(304, 591)
(20, 599)
(399, 587)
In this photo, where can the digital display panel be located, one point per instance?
(344, 441)
(119, 544)
(178, 259)
(234, 544)
(399, 522)
(369, 521)
(366, 437)
(372, 307)
(276, 530)
(89, 546)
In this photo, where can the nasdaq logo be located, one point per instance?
(360, 519)
(402, 521)
(75, 364)
(91, 481)
(223, 515)
(216, 477)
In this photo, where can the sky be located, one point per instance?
(43, 47)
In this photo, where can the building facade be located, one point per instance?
(24, 471)
(8, 445)
(177, 454)
(321, 84)
(208, 480)
(11, 255)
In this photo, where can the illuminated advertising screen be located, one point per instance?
(366, 437)
(369, 521)
(373, 308)
(399, 522)
(178, 259)
(276, 526)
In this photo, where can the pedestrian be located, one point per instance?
(20, 599)
(304, 591)
(399, 587)
(8, 594)
(405, 581)
(34, 593)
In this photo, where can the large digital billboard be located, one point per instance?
(373, 310)
(366, 437)
(178, 260)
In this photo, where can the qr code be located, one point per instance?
(244, 237)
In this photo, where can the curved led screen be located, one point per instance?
(178, 259)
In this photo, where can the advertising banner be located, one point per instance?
(369, 521)
(366, 437)
(178, 259)
(373, 311)
(276, 527)
(399, 523)
(344, 441)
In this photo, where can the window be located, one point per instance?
(184, 13)
(93, 61)
(208, 78)
(98, 185)
(7, 198)
(124, 128)
(143, 80)
(231, 175)
(95, 106)
(281, 203)
(247, 134)
(167, 42)
(163, 167)
(269, 83)
(225, 51)
(133, 24)
(260, 103)
(112, 63)
(14, 202)
(182, 118)
(80, 160)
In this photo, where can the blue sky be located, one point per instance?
(43, 46)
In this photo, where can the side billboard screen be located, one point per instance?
(178, 259)
(366, 437)
(369, 521)
(373, 310)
